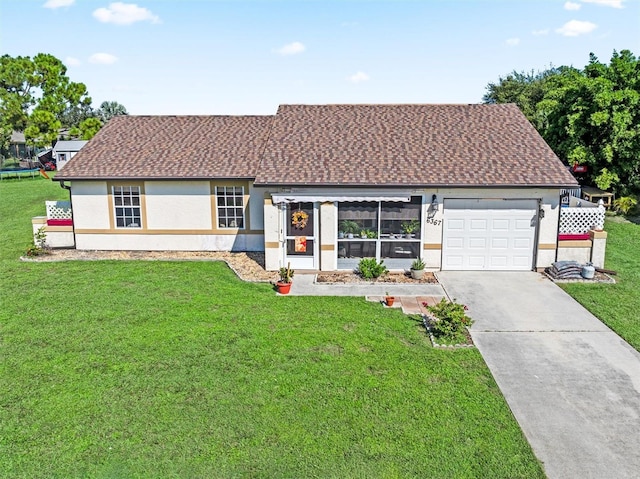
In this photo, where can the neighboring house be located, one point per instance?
(18, 147)
(321, 186)
(64, 150)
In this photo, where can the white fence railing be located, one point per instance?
(58, 210)
(581, 219)
(576, 192)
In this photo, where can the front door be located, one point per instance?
(300, 239)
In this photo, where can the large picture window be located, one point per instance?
(385, 230)
(126, 200)
(230, 202)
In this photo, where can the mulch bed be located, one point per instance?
(396, 277)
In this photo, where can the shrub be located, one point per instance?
(449, 320)
(39, 245)
(625, 204)
(369, 268)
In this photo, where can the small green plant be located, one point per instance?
(349, 227)
(449, 320)
(410, 227)
(625, 204)
(39, 246)
(286, 274)
(418, 264)
(369, 268)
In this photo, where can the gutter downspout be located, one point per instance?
(539, 216)
(73, 223)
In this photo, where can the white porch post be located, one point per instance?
(328, 236)
(272, 236)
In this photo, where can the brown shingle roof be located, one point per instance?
(359, 145)
(407, 145)
(173, 147)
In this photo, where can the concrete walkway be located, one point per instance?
(303, 285)
(572, 384)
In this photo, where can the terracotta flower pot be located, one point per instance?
(389, 300)
(283, 288)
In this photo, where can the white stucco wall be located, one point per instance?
(256, 207)
(90, 204)
(178, 205)
(170, 242)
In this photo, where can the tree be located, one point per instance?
(89, 128)
(109, 109)
(589, 116)
(35, 93)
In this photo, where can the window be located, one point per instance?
(62, 157)
(126, 200)
(386, 230)
(230, 201)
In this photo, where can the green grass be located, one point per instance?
(178, 369)
(617, 305)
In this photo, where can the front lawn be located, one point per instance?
(178, 369)
(618, 305)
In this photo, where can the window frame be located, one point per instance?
(221, 191)
(124, 195)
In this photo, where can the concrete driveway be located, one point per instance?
(573, 385)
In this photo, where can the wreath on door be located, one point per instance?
(299, 219)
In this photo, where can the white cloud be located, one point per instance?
(537, 33)
(607, 3)
(291, 48)
(358, 77)
(71, 61)
(512, 42)
(103, 59)
(58, 3)
(574, 28)
(572, 6)
(124, 14)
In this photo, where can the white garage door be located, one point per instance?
(496, 235)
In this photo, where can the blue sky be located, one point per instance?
(247, 57)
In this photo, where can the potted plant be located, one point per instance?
(388, 299)
(286, 278)
(409, 227)
(349, 227)
(417, 268)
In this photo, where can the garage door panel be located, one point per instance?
(454, 261)
(477, 243)
(500, 224)
(488, 234)
(478, 225)
(476, 262)
(500, 243)
(454, 243)
(499, 261)
(455, 224)
(522, 243)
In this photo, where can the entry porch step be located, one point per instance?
(409, 304)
